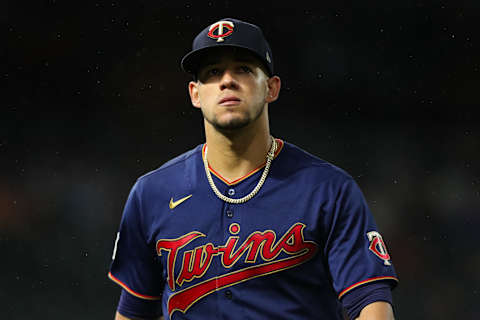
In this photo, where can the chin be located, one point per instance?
(231, 124)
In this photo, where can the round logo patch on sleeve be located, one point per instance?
(378, 247)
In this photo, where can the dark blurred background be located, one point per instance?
(93, 97)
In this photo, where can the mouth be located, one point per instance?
(229, 101)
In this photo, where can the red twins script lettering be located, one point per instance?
(196, 262)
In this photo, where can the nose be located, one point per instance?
(228, 81)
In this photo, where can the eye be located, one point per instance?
(213, 71)
(246, 69)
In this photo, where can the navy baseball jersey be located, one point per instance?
(291, 252)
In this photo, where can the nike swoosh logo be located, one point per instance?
(173, 204)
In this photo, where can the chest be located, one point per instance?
(207, 246)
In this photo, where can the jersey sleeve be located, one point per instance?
(137, 308)
(135, 266)
(355, 300)
(355, 250)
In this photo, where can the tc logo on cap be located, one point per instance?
(225, 28)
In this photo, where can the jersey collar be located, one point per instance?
(234, 182)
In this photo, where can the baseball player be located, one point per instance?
(247, 226)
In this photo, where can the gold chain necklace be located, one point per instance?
(270, 155)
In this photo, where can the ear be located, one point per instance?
(274, 83)
(193, 90)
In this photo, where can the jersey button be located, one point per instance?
(229, 213)
(228, 294)
(231, 192)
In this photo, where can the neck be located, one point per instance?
(235, 154)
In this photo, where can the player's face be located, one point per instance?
(232, 89)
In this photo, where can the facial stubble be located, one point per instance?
(234, 124)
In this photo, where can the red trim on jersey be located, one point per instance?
(353, 286)
(230, 183)
(136, 294)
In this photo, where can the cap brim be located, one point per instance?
(193, 60)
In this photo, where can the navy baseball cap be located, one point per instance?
(228, 33)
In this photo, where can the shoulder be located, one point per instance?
(297, 161)
(170, 170)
